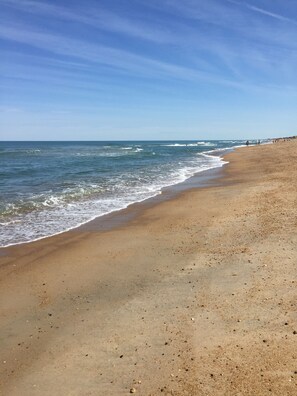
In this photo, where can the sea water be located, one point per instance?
(50, 187)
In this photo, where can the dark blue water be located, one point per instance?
(49, 187)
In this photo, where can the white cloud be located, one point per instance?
(98, 18)
(252, 57)
(264, 12)
(112, 57)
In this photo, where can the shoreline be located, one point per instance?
(197, 180)
(194, 295)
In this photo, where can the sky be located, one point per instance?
(147, 69)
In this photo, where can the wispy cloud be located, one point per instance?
(264, 12)
(106, 56)
(242, 39)
(230, 16)
(254, 58)
(98, 19)
(10, 109)
(186, 55)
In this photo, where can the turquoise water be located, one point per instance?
(50, 187)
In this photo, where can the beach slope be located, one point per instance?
(193, 296)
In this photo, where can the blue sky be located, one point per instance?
(147, 69)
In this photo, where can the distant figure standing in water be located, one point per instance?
(247, 143)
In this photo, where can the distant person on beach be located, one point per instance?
(247, 143)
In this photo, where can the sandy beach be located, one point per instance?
(195, 295)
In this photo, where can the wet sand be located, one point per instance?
(195, 295)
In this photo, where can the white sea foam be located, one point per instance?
(197, 144)
(175, 145)
(36, 225)
(78, 203)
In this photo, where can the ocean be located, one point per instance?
(50, 187)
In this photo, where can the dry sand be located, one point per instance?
(194, 296)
